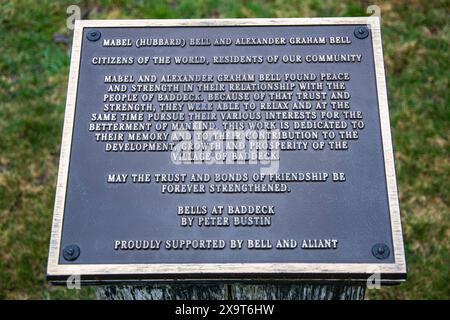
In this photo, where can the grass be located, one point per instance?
(33, 80)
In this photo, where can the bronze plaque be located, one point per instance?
(220, 150)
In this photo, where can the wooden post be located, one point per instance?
(297, 291)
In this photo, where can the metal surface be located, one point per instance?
(359, 213)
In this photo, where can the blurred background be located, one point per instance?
(34, 67)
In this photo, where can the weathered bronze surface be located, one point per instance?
(209, 151)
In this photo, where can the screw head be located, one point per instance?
(71, 252)
(361, 32)
(381, 251)
(93, 35)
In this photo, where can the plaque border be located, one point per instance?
(224, 272)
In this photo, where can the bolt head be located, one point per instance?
(361, 32)
(71, 252)
(93, 35)
(381, 251)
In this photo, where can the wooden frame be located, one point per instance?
(390, 272)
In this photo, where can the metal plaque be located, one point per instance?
(223, 150)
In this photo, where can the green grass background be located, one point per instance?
(33, 81)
